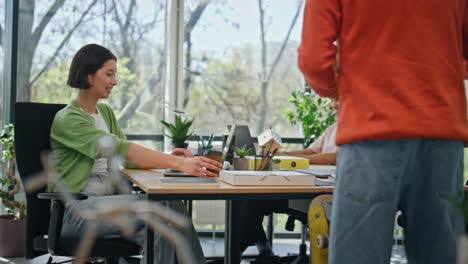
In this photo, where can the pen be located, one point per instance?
(210, 141)
(274, 151)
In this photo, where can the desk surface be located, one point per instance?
(148, 181)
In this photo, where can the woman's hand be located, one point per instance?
(198, 167)
(182, 152)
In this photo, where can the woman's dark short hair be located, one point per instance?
(87, 61)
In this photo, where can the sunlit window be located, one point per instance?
(240, 63)
(52, 31)
(2, 44)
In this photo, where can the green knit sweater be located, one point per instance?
(74, 138)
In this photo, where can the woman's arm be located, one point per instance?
(322, 159)
(297, 153)
(149, 159)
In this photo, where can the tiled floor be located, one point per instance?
(281, 247)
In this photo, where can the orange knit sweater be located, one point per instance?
(400, 67)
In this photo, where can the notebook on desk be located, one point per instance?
(324, 174)
(280, 178)
(189, 182)
(320, 171)
(227, 147)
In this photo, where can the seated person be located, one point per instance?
(75, 133)
(323, 151)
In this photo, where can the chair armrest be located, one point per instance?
(58, 196)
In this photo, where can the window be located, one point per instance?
(236, 54)
(3, 32)
(240, 64)
(52, 31)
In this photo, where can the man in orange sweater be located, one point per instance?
(401, 124)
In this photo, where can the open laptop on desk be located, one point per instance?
(227, 147)
(241, 137)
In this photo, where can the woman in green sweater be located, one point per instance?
(76, 133)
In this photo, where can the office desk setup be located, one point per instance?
(149, 182)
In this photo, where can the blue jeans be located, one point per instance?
(421, 177)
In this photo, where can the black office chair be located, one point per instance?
(302, 257)
(43, 222)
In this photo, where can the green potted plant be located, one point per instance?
(12, 224)
(240, 162)
(179, 131)
(313, 113)
(275, 164)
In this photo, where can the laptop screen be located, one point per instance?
(228, 143)
(242, 138)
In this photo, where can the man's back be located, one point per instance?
(400, 76)
(400, 67)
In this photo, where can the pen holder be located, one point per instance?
(262, 163)
(201, 150)
(214, 155)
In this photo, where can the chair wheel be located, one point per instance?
(322, 241)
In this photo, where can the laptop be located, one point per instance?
(227, 146)
(241, 137)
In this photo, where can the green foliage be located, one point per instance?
(243, 151)
(178, 132)
(313, 112)
(52, 87)
(7, 138)
(9, 185)
(127, 88)
(226, 89)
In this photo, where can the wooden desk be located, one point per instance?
(148, 181)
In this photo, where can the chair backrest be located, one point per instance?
(32, 136)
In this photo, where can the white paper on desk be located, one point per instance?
(319, 172)
(266, 178)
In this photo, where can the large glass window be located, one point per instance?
(240, 63)
(52, 31)
(3, 109)
(2, 44)
(240, 66)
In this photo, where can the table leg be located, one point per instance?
(232, 233)
(149, 251)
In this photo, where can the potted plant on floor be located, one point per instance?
(13, 223)
(240, 162)
(179, 131)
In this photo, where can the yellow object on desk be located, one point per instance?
(287, 163)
